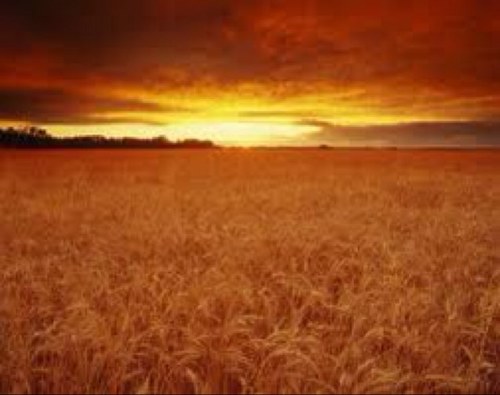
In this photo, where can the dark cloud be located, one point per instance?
(478, 133)
(120, 39)
(452, 43)
(50, 106)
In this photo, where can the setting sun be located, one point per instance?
(242, 132)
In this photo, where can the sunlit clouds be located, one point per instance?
(249, 73)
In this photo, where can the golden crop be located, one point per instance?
(249, 271)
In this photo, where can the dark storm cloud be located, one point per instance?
(48, 106)
(478, 133)
(121, 39)
(342, 41)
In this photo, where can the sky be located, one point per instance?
(255, 72)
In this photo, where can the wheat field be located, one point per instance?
(249, 271)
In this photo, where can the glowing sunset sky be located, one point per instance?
(255, 72)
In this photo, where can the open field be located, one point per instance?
(250, 271)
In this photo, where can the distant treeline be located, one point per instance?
(34, 137)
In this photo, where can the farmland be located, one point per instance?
(249, 271)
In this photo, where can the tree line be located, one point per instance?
(34, 137)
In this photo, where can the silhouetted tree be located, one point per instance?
(34, 137)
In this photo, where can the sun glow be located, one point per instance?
(240, 132)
